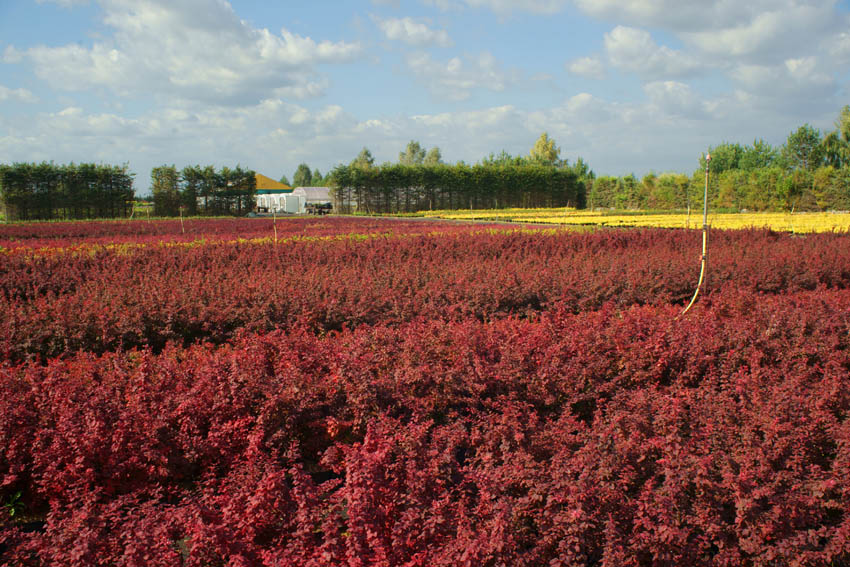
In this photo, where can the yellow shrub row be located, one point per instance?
(788, 222)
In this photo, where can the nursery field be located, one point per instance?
(361, 392)
(786, 222)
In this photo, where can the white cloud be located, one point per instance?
(456, 78)
(261, 136)
(676, 99)
(502, 7)
(196, 49)
(794, 83)
(411, 32)
(12, 55)
(668, 130)
(838, 47)
(591, 67)
(762, 31)
(770, 34)
(22, 95)
(508, 6)
(634, 50)
(658, 13)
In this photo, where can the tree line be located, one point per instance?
(47, 191)
(421, 181)
(399, 188)
(810, 171)
(305, 177)
(197, 190)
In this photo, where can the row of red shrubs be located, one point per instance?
(22, 237)
(616, 437)
(112, 299)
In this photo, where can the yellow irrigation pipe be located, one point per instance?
(704, 239)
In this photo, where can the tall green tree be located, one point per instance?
(303, 177)
(191, 189)
(724, 157)
(803, 149)
(836, 144)
(166, 198)
(413, 154)
(760, 154)
(285, 180)
(364, 159)
(317, 180)
(545, 151)
(433, 157)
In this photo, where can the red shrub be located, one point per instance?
(615, 437)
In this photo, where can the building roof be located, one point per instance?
(269, 185)
(314, 193)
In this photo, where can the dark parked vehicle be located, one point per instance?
(319, 208)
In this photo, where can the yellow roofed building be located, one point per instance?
(271, 194)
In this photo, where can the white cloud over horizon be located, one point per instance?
(193, 49)
(457, 77)
(631, 86)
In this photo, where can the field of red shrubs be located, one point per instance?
(25, 238)
(429, 395)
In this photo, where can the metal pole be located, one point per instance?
(704, 258)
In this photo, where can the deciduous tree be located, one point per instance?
(836, 144)
(414, 154)
(545, 151)
(434, 156)
(724, 157)
(760, 154)
(364, 159)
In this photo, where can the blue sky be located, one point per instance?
(629, 85)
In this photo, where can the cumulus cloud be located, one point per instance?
(803, 82)
(674, 99)
(762, 31)
(768, 35)
(21, 95)
(662, 13)
(634, 50)
(12, 55)
(411, 32)
(590, 67)
(259, 136)
(456, 78)
(508, 6)
(197, 50)
(502, 7)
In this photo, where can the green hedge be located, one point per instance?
(46, 191)
(395, 188)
